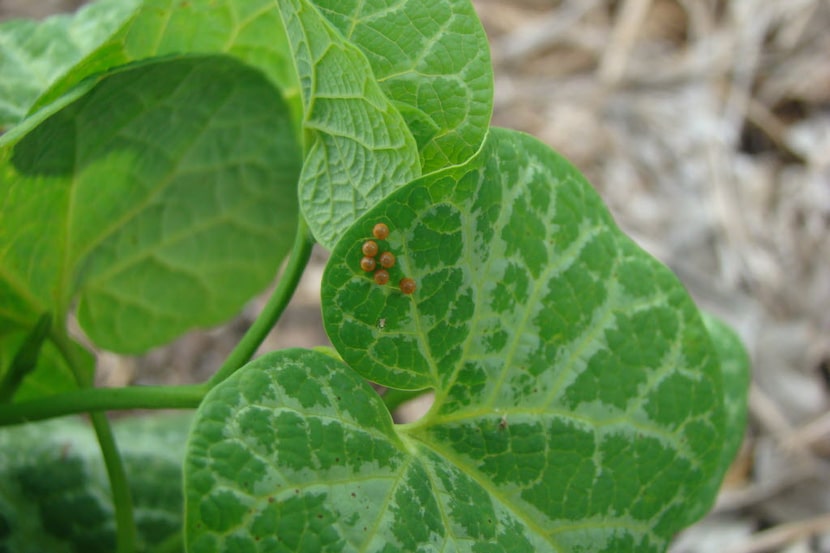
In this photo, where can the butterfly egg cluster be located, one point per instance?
(380, 264)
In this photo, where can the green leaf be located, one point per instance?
(431, 58)
(735, 367)
(264, 447)
(533, 311)
(358, 146)
(249, 30)
(54, 493)
(163, 199)
(579, 404)
(34, 54)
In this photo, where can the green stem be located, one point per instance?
(96, 400)
(279, 299)
(126, 533)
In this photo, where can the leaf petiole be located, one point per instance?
(126, 532)
(96, 400)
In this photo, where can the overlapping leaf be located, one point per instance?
(431, 58)
(164, 199)
(33, 55)
(249, 30)
(431, 61)
(358, 145)
(578, 400)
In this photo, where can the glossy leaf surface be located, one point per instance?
(578, 405)
(163, 199)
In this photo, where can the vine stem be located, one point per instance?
(253, 338)
(126, 533)
(93, 400)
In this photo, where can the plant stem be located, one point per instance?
(279, 299)
(126, 532)
(121, 499)
(94, 400)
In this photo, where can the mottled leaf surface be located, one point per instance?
(34, 54)
(536, 316)
(579, 403)
(54, 493)
(431, 58)
(735, 368)
(163, 199)
(294, 452)
(358, 146)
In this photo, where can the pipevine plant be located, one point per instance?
(161, 158)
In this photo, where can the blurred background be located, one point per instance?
(705, 126)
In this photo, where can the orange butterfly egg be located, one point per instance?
(370, 248)
(407, 285)
(387, 260)
(381, 276)
(381, 231)
(368, 264)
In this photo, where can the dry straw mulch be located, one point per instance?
(705, 125)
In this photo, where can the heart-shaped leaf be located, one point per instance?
(264, 446)
(164, 199)
(358, 145)
(578, 399)
(534, 313)
(431, 58)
